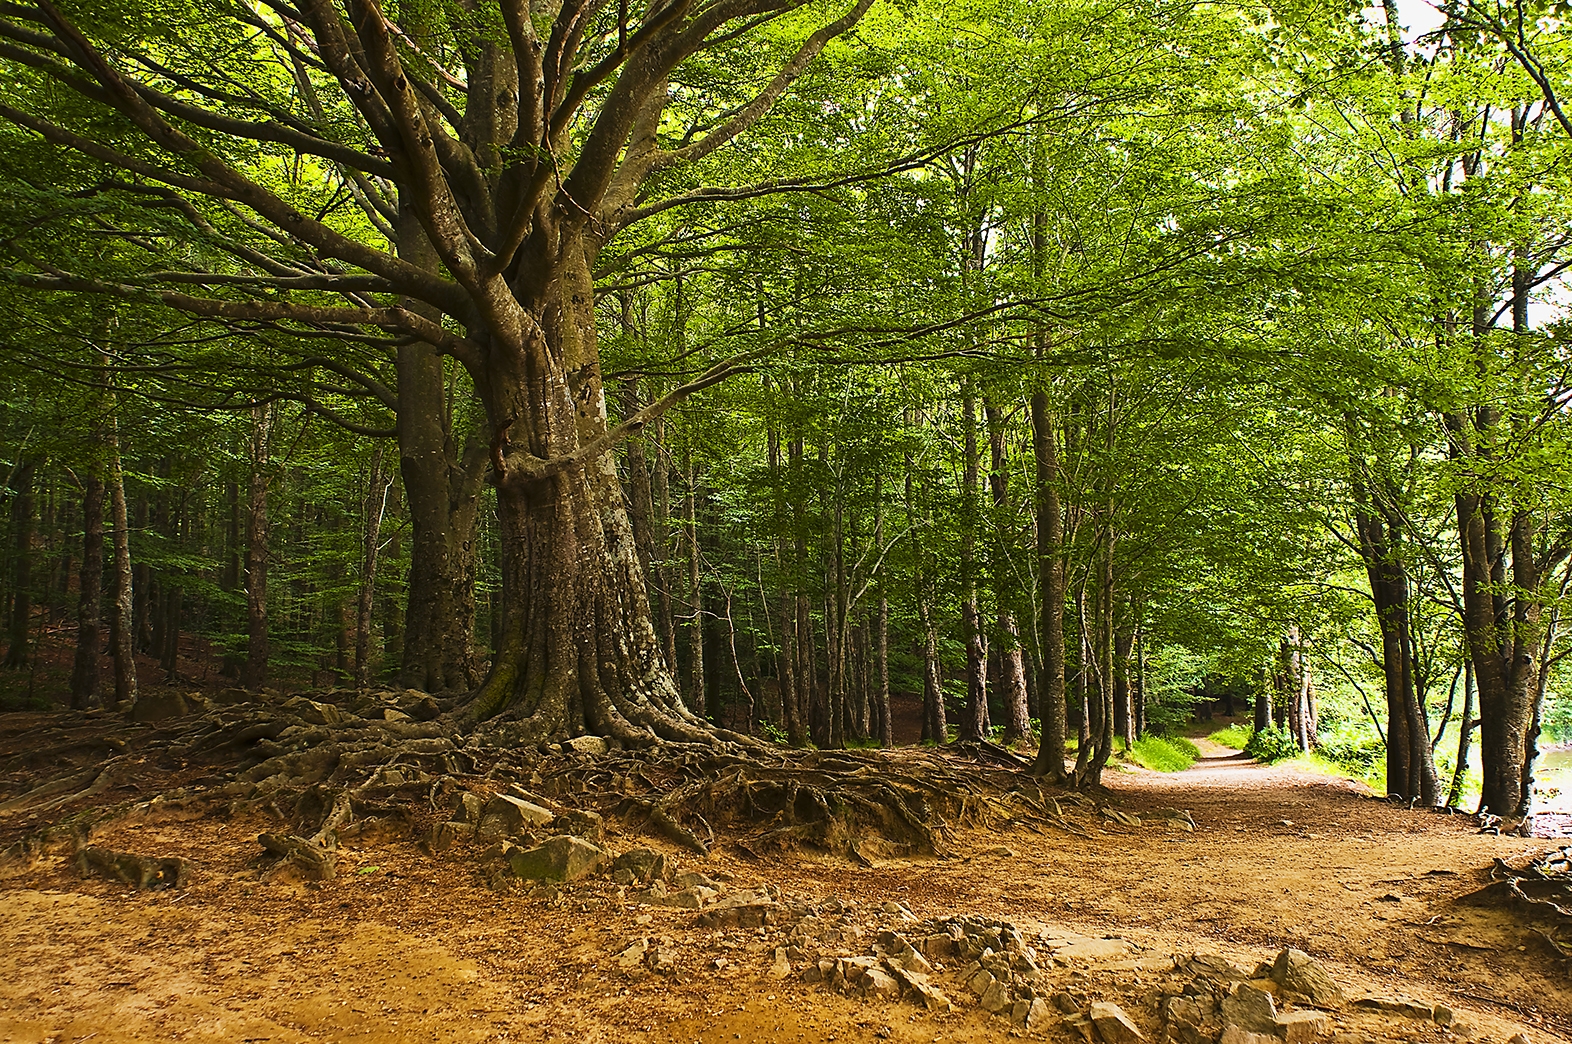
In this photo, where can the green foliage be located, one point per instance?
(1164, 754)
(1237, 736)
(1272, 744)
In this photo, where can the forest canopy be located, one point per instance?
(749, 371)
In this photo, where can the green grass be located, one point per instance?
(1235, 736)
(1164, 754)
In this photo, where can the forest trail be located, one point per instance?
(405, 946)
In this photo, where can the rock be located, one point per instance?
(1082, 1025)
(585, 745)
(1518, 1038)
(1250, 1009)
(633, 957)
(980, 981)
(580, 823)
(781, 968)
(996, 997)
(645, 864)
(1094, 950)
(146, 873)
(1298, 972)
(661, 961)
(683, 899)
(1030, 1015)
(1065, 1003)
(443, 836)
(508, 816)
(233, 697)
(917, 983)
(1443, 1016)
(1211, 966)
(694, 879)
(936, 947)
(876, 982)
(562, 858)
(313, 713)
(394, 714)
(1233, 1034)
(158, 704)
(1113, 1025)
(1407, 1008)
(742, 909)
(1301, 1027)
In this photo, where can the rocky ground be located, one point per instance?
(1230, 904)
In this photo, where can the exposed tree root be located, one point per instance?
(343, 763)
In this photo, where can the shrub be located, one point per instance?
(1273, 743)
(1164, 754)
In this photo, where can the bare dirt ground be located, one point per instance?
(406, 946)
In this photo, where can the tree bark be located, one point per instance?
(124, 656)
(253, 674)
(374, 506)
(1051, 593)
(21, 622)
(89, 635)
(974, 719)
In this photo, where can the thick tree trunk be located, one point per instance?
(253, 674)
(89, 634)
(579, 652)
(21, 621)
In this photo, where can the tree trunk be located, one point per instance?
(695, 681)
(21, 622)
(974, 720)
(375, 505)
(124, 658)
(253, 674)
(1465, 736)
(84, 671)
(1051, 593)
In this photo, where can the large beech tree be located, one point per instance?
(491, 149)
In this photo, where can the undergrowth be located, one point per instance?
(1164, 754)
(1235, 736)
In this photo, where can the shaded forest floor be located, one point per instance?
(407, 946)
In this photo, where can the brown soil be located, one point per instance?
(404, 946)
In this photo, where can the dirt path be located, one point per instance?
(404, 946)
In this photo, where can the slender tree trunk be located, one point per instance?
(89, 635)
(974, 721)
(121, 623)
(786, 668)
(1465, 735)
(1051, 594)
(254, 672)
(695, 682)
(1124, 696)
(21, 622)
(375, 505)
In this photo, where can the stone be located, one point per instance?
(995, 998)
(781, 968)
(443, 836)
(645, 864)
(508, 816)
(1301, 1027)
(232, 697)
(585, 745)
(1443, 1016)
(313, 713)
(1082, 1025)
(694, 879)
(1250, 1009)
(1211, 966)
(1065, 1003)
(1391, 1006)
(979, 981)
(1518, 1038)
(394, 714)
(591, 826)
(683, 899)
(469, 807)
(876, 982)
(1113, 1025)
(742, 909)
(1030, 1015)
(1298, 972)
(159, 704)
(562, 858)
(146, 873)
(1093, 950)
(936, 947)
(633, 957)
(1233, 1034)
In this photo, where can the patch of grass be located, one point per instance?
(1164, 754)
(1236, 736)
